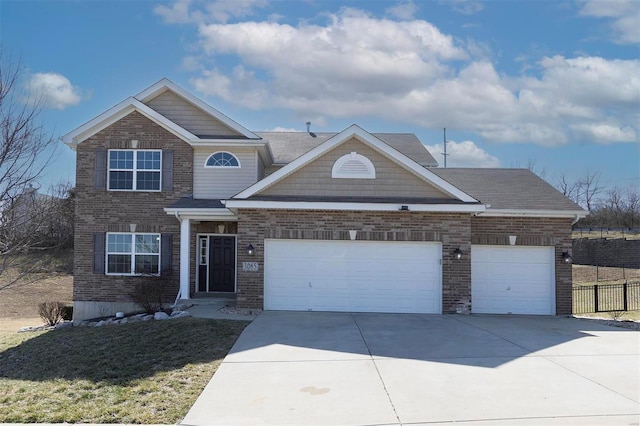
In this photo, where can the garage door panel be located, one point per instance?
(362, 276)
(512, 279)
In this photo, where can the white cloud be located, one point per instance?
(53, 90)
(284, 129)
(356, 65)
(465, 7)
(624, 17)
(182, 12)
(403, 10)
(463, 154)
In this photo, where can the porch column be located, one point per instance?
(185, 229)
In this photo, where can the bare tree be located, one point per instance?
(25, 152)
(570, 189)
(590, 188)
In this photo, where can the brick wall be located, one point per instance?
(452, 230)
(532, 232)
(618, 252)
(108, 211)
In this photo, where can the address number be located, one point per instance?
(250, 266)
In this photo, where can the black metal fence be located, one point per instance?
(606, 297)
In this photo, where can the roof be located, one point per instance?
(136, 103)
(191, 203)
(287, 146)
(508, 189)
(355, 131)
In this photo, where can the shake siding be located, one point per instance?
(261, 174)
(219, 183)
(391, 180)
(188, 116)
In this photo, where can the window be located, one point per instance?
(134, 170)
(222, 159)
(133, 254)
(353, 166)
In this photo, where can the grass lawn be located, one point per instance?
(629, 315)
(149, 372)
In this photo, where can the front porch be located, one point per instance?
(208, 251)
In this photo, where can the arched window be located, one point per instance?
(353, 166)
(222, 159)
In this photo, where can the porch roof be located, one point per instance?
(199, 209)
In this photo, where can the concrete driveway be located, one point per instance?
(303, 368)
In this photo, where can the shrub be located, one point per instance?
(67, 312)
(51, 312)
(148, 293)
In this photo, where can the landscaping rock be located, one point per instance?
(99, 324)
(160, 316)
(179, 314)
(124, 320)
(147, 317)
(64, 324)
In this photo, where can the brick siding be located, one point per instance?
(452, 230)
(554, 232)
(110, 211)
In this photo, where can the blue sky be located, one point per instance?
(552, 83)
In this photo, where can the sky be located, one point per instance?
(550, 85)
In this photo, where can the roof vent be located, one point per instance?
(313, 135)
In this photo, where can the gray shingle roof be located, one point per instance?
(191, 203)
(513, 189)
(287, 146)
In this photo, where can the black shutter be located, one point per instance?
(167, 170)
(98, 252)
(165, 256)
(100, 178)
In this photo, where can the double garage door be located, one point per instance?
(352, 276)
(406, 277)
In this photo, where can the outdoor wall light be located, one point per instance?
(457, 254)
(404, 208)
(250, 250)
(566, 257)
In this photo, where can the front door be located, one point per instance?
(217, 263)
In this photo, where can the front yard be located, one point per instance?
(150, 372)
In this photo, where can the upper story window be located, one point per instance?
(353, 166)
(133, 254)
(134, 170)
(222, 159)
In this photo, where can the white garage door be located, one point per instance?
(352, 276)
(512, 280)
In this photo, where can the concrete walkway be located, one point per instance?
(383, 369)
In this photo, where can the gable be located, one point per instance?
(391, 180)
(188, 116)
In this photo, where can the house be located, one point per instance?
(348, 221)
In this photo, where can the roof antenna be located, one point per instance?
(313, 135)
(444, 154)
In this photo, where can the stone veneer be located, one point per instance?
(114, 211)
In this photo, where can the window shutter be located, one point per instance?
(100, 178)
(165, 256)
(98, 252)
(167, 170)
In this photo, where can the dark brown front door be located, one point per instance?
(222, 263)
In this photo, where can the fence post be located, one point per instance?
(595, 297)
(624, 294)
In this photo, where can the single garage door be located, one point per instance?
(512, 280)
(352, 276)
